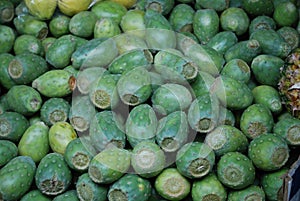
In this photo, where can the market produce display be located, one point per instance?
(148, 100)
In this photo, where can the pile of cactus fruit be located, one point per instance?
(148, 100)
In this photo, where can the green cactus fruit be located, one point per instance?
(134, 87)
(81, 113)
(261, 22)
(235, 170)
(172, 131)
(129, 41)
(29, 103)
(269, 97)
(202, 83)
(156, 80)
(82, 24)
(55, 83)
(28, 24)
(109, 9)
(26, 67)
(271, 42)
(208, 188)
(226, 138)
(54, 110)
(288, 129)
(174, 67)
(268, 152)
(237, 69)
(3, 104)
(272, 184)
(171, 185)
(163, 7)
(53, 175)
(109, 165)
(59, 25)
(256, 120)
(35, 119)
(106, 28)
(141, 124)
(195, 160)
(97, 52)
(60, 135)
(19, 172)
(129, 188)
(235, 19)
(218, 5)
(59, 53)
(21, 8)
(47, 42)
(171, 97)
(77, 155)
(88, 190)
(128, 25)
(34, 142)
(286, 13)
(159, 34)
(290, 35)
(35, 195)
(231, 93)
(28, 44)
(226, 117)
(222, 41)
(7, 38)
(258, 8)
(12, 126)
(266, 69)
(252, 192)
(147, 159)
(70, 195)
(5, 80)
(107, 129)
(181, 18)
(8, 151)
(7, 11)
(130, 60)
(246, 50)
(72, 70)
(205, 24)
(203, 113)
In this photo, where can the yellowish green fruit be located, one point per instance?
(43, 9)
(72, 7)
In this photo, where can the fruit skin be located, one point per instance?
(70, 195)
(35, 195)
(27, 104)
(258, 8)
(226, 138)
(72, 7)
(192, 156)
(290, 35)
(82, 24)
(256, 120)
(271, 42)
(13, 126)
(172, 131)
(17, 172)
(141, 124)
(28, 44)
(175, 97)
(288, 128)
(202, 83)
(107, 129)
(86, 189)
(147, 159)
(53, 175)
(218, 5)
(42, 9)
(251, 192)
(109, 165)
(106, 28)
(181, 17)
(268, 152)
(139, 189)
(205, 24)
(59, 25)
(261, 22)
(77, 155)
(222, 41)
(8, 151)
(7, 38)
(237, 69)
(60, 135)
(34, 142)
(27, 24)
(55, 83)
(6, 11)
(54, 110)
(163, 7)
(133, 26)
(286, 14)
(239, 165)
(208, 188)
(5, 80)
(26, 67)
